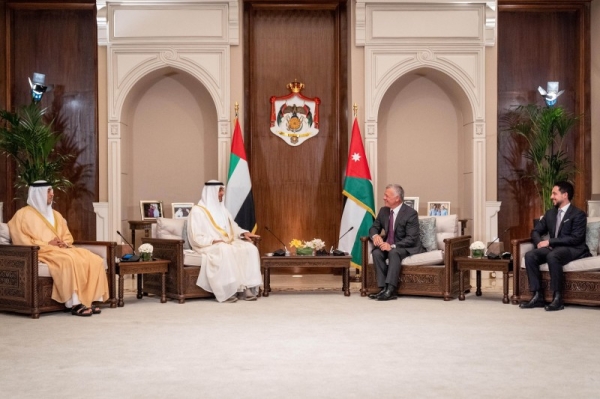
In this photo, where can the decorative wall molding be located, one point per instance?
(491, 216)
(450, 37)
(492, 209)
(102, 221)
(145, 36)
(464, 64)
(128, 64)
(165, 21)
(440, 21)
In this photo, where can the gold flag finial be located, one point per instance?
(355, 109)
(295, 86)
(237, 108)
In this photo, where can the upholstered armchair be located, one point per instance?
(184, 267)
(25, 283)
(582, 276)
(432, 273)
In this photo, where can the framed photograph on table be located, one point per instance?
(413, 202)
(438, 208)
(181, 210)
(151, 209)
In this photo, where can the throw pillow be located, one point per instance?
(592, 236)
(447, 224)
(169, 228)
(4, 234)
(427, 232)
(186, 241)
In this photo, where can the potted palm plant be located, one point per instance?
(544, 129)
(30, 140)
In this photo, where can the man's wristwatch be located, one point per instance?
(393, 246)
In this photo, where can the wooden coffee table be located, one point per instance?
(464, 263)
(140, 268)
(332, 262)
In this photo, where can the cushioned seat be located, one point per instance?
(26, 283)
(171, 244)
(582, 276)
(191, 258)
(431, 273)
(433, 258)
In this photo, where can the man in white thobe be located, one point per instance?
(230, 263)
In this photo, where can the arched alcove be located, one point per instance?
(424, 121)
(455, 53)
(190, 55)
(168, 141)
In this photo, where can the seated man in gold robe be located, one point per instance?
(79, 275)
(230, 263)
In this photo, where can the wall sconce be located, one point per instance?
(551, 93)
(38, 87)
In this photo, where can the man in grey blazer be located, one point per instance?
(566, 226)
(395, 235)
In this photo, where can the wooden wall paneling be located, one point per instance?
(298, 190)
(59, 39)
(4, 96)
(540, 41)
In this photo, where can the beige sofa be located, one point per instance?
(582, 276)
(26, 284)
(432, 273)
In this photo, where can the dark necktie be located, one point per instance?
(390, 236)
(558, 220)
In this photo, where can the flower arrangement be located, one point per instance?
(307, 247)
(146, 251)
(477, 249)
(477, 245)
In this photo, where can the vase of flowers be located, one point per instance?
(477, 249)
(146, 252)
(307, 248)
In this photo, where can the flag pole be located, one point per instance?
(357, 277)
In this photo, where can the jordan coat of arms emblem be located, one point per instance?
(294, 117)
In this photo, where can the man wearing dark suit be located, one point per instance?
(565, 224)
(393, 243)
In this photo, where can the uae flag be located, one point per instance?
(358, 189)
(238, 198)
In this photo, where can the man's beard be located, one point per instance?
(558, 203)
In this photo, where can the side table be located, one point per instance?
(464, 263)
(145, 225)
(140, 268)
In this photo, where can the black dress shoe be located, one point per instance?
(375, 296)
(389, 294)
(556, 304)
(537, 301)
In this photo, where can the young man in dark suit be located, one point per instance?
(565, 224)
(395, 235)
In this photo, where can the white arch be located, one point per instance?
(456, 49)
(388, 65)
(462, 65)
(139, 63)
(128, 66)
(136, 49)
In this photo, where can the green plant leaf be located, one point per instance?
(544, 129)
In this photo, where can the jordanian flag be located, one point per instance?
(238, 199)
(358, 188)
